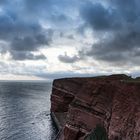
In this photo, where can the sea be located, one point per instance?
(25, 111)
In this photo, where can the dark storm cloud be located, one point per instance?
(118, 24)
(29, 43)
(129, 10)
(37, 4)
(22, 36)
(99, 17)
(52, 9)
(68, 59)
(48, 4)
(26, 56)
(20, 23)
(11, 26)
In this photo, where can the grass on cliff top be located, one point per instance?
(133, 80)
(125, 78)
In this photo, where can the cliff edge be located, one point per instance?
(98, 108)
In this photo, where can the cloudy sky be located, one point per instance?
(47, 39)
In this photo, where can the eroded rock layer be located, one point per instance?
(112, 102)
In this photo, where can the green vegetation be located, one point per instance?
(134, 80)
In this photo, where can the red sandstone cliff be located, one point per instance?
(81, 104)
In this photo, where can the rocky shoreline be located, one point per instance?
(105, 106)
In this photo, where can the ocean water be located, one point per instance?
(25, 111)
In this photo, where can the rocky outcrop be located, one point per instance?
(111, 102)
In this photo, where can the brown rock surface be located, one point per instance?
(112, 102)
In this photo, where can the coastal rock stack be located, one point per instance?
(109, 105)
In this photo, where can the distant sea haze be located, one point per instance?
(25, 111)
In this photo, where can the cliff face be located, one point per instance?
(111, 102)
